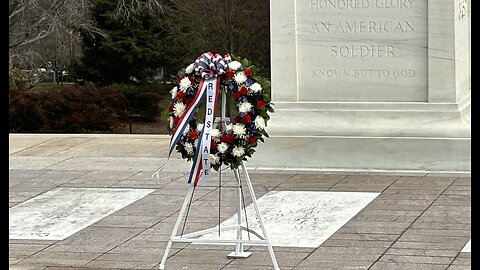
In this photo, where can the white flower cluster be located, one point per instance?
(190, 68)
(234, 65)
(239, 129)
(240, 77)
(178, 109)
(222, 147)
(189, 148)
(238, 151)
(245, 107)
(184, 84)
(214, 159)
(255, 88)
(174, 92)
(260, 123)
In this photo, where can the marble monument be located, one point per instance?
(369, 85)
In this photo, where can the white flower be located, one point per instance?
(195, 142)
(171, 122)
(178, 109)
(222, 147)
(190, 68)
(239, 129)
(245, 107)
(215, 133)
(187, 129)
(238, 151)
(260, 123)
(199, 127)
(255, 88)
(234, 65)
(174, 92)
(214, 159)
(185, 83)
(240, 77)
(189, 148)
(229, 127)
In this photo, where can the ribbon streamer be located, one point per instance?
(210, 67)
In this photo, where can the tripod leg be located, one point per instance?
(177, 224)
(239, 253)
(260, 219)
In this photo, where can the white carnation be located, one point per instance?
(234, 65)
(185, 83)
(187, 129)
(260, 123)
(245, 107)
(190, 68)
(199, 127)
(240, 77)
(255, 88)
(222, 147)
(238, 151)
(189, 148)
(178, 109)
(215, 133)
(214, 159)
(239, 129)
(171, 122)
(229, 127)
(174, 92)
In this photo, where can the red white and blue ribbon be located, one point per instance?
(209, 66)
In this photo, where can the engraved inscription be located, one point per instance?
(364, 26)
(363, 73)
(363, 50)
(358, 4)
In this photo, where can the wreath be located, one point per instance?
(236, 142)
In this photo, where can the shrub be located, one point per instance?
(25, 113)
(69, 109)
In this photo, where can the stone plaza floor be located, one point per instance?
(81, 201)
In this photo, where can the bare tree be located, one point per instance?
(128, 10)
(34, 24)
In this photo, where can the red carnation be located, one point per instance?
(251, 139)
(170, 107)
(192, 79)
(227, 138)
(213, 145)
(188, 101)
(246, 118)
(175, 120)
(248, 72)
(193, 135)
(239, 93)
(261, 104)
(230, 74)
(180, 95)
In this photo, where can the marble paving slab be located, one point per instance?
(468, 247)
(300, 218)
(59, 213)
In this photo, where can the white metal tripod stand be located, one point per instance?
(239, 241)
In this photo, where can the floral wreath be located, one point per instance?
(239, 139)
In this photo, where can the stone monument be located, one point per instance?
(369, 85)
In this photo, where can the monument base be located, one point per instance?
(368, 136)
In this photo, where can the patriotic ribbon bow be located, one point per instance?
(210, 67)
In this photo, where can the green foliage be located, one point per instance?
(133, 51)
